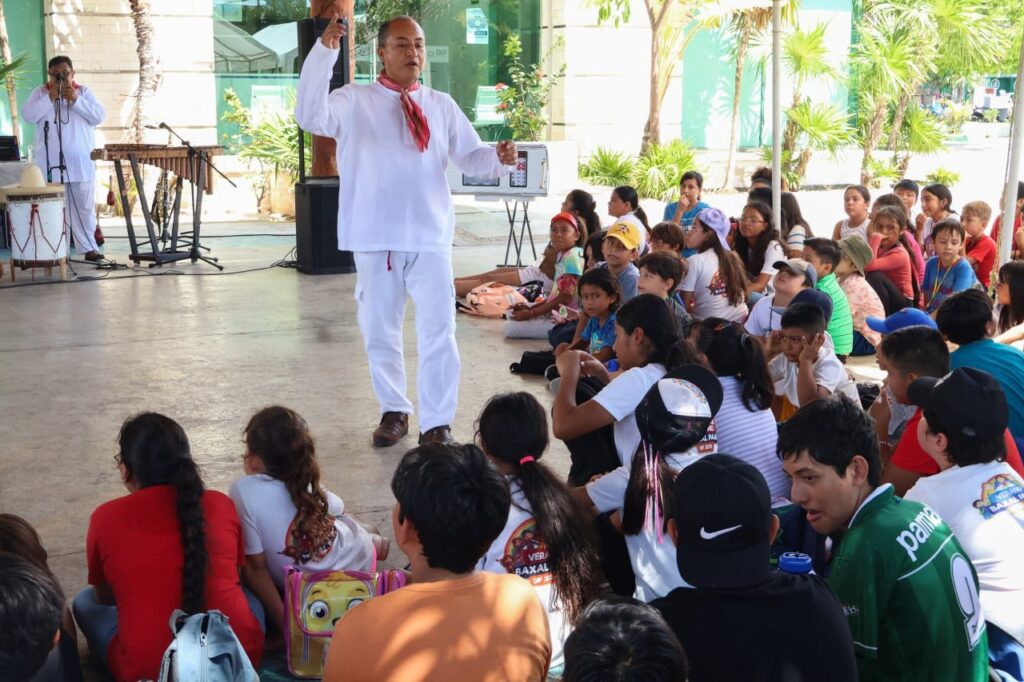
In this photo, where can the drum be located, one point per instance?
(38, 237)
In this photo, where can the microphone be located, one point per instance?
(153, 127)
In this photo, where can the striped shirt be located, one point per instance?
(751, 436)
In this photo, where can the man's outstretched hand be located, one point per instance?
(332, 35)
(506, 152)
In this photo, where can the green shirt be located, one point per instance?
(910, 595)
(840, 327)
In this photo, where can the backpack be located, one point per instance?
(493, 299)
(204, 648)
(315, 600)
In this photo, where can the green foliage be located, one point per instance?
(955, 114)
(806, 55)
(656, 173)
(615, 11)
(524, 100)
(789, 165)
(943, 176)
(821, 126)
(273, 142)
(14, 68)
(376, 12)
(990, 115)
(607, 167)
(883, 170)
(922, 132)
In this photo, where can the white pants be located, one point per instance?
(384, 279)
(80, 212)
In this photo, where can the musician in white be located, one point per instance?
(79, 113)
(395, 213)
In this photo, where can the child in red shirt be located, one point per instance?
(981, 249)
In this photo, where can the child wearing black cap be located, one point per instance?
(787, 626)
(976, 492)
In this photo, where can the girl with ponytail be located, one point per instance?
(170, 544)
(547, 539)
(288, 517)
(745, 424)
(601, 432)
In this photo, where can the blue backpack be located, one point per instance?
(205, 649)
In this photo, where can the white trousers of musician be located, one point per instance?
(80, 213)
(384, 281)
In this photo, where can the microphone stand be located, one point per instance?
(61, 165)
(198, 160)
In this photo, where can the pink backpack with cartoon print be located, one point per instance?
(493, 299)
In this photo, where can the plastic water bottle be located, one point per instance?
(797, 563)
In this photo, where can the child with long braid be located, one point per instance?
(288, 518)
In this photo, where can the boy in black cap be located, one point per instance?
(783, 626)
(976, 492)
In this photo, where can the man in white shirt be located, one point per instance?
(977, 494)
(395, 138)
(62, 100)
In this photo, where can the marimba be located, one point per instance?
(187, 163)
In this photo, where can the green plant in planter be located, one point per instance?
(523, 100)
(943, 176)
(656, 173)
(607, 167)
(990, 115)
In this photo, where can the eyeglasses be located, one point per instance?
(750, 221)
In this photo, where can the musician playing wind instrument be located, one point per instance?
(63, 101)
(395, 213)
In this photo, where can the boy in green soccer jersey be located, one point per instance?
(908, 589)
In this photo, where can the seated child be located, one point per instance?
(792, 275)
(288, 518)
(668, 237)
(825, 255)
(966, 319)
(567, 239)
(533, 320)
(592, 251)
(907, 355)
(451, 622)
(660, 274)
(619, 639)
(620, 249)
(806, 369)
(31, 610)
(897, 569)
(892, 272)
(981, 249)
(976, 492)
(546, 539)
(715, 284)
(1017, 243)
(907, 190)
(946, 272)
(915, 248)
(600, 296)
(863, 300)
(19, 538)
(673, 420)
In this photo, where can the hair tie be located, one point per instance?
(526, 460)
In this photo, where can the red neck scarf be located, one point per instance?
(414, 116)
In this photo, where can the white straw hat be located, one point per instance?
(32, 184)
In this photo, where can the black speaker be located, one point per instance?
(316, 228)
(310, 31)
(9, 148)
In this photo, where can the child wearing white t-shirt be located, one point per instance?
(977, 494)
(791, 276)
(806, 369)
(715, 284)
(546, 539)
(287, 518)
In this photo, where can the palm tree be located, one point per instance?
(747, 23)
(887, 60)
(148, 79)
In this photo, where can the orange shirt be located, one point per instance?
(485, 627)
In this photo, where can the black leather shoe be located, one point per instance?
(393, 425)
(438, 434)
(93, 256)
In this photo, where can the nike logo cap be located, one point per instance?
(722, 510)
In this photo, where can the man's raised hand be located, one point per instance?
(332, 35)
